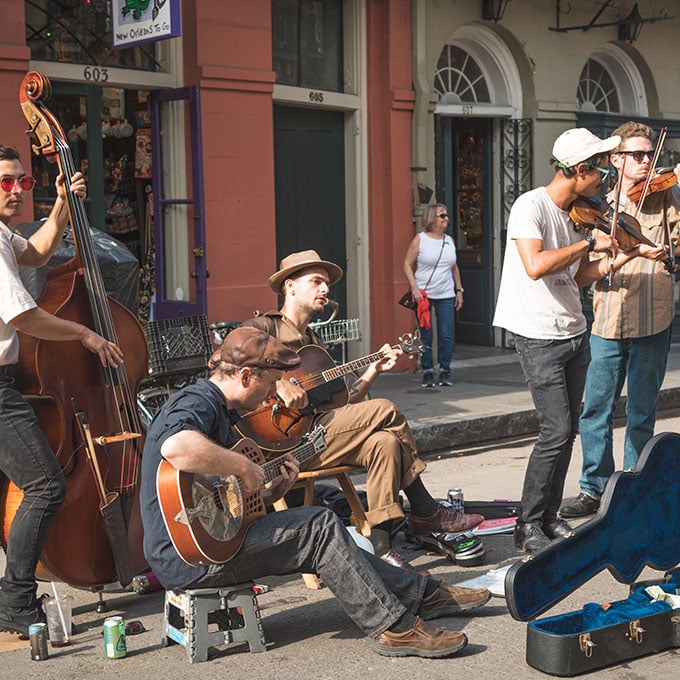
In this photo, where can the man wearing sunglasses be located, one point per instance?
(25, 455)
(546, 260)
(631, 330)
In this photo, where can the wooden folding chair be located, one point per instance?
(341, 473)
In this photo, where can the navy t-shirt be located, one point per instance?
(201, 407)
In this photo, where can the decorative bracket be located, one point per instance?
(633, 22)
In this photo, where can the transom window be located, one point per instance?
(458, 78)
(307, 43)
(74, 31)
(596, 90)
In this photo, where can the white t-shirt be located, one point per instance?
(14, 298)
(549, 308)
(441, 285)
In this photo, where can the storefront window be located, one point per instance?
(114, 156)
(307, 43)
(75, 31)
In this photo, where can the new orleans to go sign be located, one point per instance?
(138, 21)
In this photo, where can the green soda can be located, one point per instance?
(114, 638)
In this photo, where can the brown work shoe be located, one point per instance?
(422, 640)
(450, 600)
(446, 520)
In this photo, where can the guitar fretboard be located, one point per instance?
(344, 369)
(302, 454)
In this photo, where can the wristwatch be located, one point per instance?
(460, 290)
(591, 242)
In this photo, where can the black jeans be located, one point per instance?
(555, 371)
(27, 460)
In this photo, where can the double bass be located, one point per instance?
(88, 413)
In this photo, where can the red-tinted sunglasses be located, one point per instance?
(8, 183)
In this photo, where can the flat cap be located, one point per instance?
(247, 346)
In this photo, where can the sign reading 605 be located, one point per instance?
(96, 74)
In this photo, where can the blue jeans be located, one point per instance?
(313, 540)
(643, 361)
(443, 310)
(27, 460)
(555, 371)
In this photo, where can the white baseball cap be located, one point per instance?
(578, 144)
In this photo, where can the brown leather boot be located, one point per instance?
(450, 600)
(422, 640)
(446, 520)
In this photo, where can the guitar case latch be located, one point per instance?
(635, 632)
(586, 644)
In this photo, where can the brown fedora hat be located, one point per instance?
(302, 260)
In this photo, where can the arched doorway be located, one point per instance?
(479, 87)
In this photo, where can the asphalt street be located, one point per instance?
(310, 637)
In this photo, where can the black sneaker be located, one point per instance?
(18, 619)
(444, 379)
(428, 379)
(582, 506)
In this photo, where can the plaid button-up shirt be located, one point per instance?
(640, 300)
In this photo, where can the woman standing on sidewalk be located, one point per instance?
(432, 271)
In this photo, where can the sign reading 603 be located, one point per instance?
(96, 74)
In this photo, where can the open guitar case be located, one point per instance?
(637, 525)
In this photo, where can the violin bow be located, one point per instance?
(652, 168)
(615, 220)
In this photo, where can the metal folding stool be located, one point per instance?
(200, 618)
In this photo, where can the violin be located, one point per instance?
(664, 179)
(596, 213)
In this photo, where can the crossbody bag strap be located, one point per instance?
(441, 250)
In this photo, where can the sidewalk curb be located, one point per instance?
(456, 434)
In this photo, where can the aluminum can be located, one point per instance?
(114, 638)
(455, 497)
(37, 634)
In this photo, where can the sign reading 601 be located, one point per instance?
(96, 74)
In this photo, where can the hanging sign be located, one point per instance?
(139, 21)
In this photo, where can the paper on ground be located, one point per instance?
(494, 580)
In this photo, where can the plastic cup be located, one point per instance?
(58, 613)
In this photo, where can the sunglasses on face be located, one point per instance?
(637, 155)
(603, 171)
(8, 183)
(443, 216)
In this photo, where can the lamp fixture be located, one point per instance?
(629, 28)
(494, 9)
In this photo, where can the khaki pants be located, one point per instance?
(372, 434)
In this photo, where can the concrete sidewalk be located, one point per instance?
(488, 401)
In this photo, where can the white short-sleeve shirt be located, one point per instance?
(14, 298)
(549, 308)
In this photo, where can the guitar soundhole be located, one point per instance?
(218, 506)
